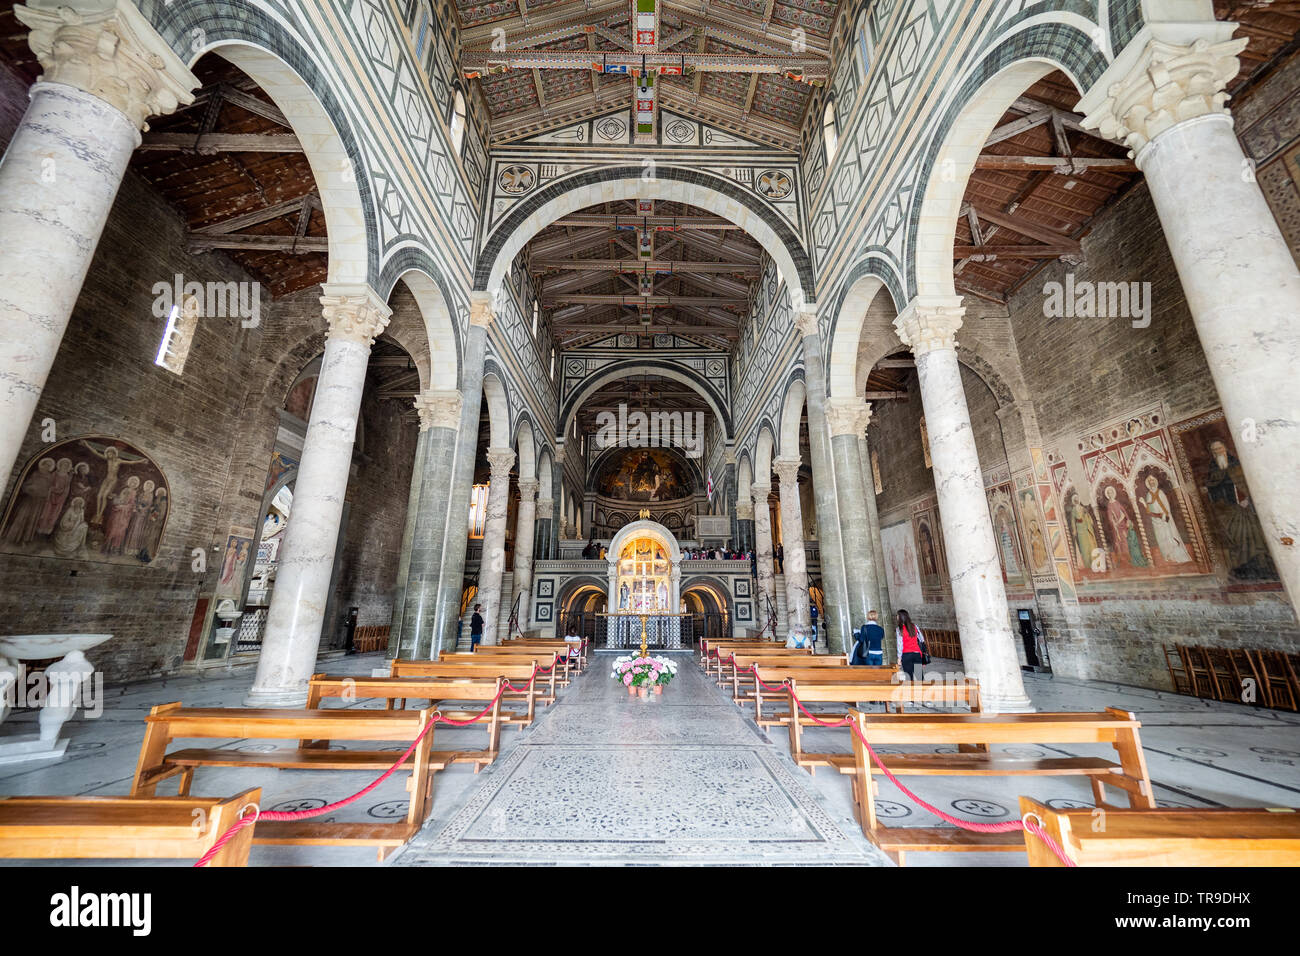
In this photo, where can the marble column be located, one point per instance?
(730, 501)
(525, 532)
(543, 549)
(404, 558)
(928, 327)
(877, 543)
(763, 553)
(744, 522)
(492, 564)
(795, 564)
(104, 73)
(836, 620)
(1237, 272)
(860, 567)
(355, 315)
(439, 411)
(451, 586)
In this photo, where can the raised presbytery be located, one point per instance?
(649, 403)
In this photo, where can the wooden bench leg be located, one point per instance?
(157, 736)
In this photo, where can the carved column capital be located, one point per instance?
(528, 488)
(438, 408)
(760, 490)
(744, 509)
(354, 312)
(787, 472)
(806, 323)
(545, 508)
(864, 418)
(930, 323)
(111, 52)
(500, 461)
(1166, 83)
(481, 311)
(844, 416)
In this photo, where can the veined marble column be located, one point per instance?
(836, 620)
(543, 549)
(1166, 103)
(885, 606)
(355, 315)
(439, 411)
(744, 522)
(408, 536)
(456, 534)
(525, 530)
(860, 567)
(492, 564)
(105, 73)
(927, 327)
(795, 564)
(763, 552)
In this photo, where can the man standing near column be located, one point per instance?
(106, 71)
(355, 315)
(928, 326)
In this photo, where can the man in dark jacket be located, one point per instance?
(476, 628)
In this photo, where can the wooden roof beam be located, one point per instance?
(637, 301)
(645, 265)
(208, 144)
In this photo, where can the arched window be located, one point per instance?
(829, 132)
(536, 314)
(458, 123)
(864, 49)
(552, 363)
(421, 28)
(178, 334)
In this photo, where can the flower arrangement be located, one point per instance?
(643, 671)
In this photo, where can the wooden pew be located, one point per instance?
(558, 645)
(1116, 727)
(436, 690)
(99, 828)
(563, 667)
(168, 722)
(735, 670)
(774, 674)
(708, 648)
(720, 655)
(1179, 837)
(542, 685)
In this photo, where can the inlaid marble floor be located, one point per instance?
(685, 778)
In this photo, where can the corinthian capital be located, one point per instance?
(500, 461)
(110, 51)
(787, 472)
(1167, 84)
(806, 323)
(745, 508)
(928, 324)
(481, 312)
(354, 312)
(844, 416)
(528, 488)
(545, 508)
(438, 408)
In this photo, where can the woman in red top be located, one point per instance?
(911, 643)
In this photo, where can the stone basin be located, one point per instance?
(40, 647)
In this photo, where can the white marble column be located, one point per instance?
(795, 563)
(845, 418)
(525, 532)
(928, 327)
(877, 543)
(763, 552)
(355, 315)
(492, 564)
(1166, 103)
(105, 73)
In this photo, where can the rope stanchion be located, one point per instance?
(1008, 827)
(260, 814)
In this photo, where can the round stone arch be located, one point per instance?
(796, 397)
(416, 270)
(632, 367)
(525, 445)
(693, 187)
(718, 588)
(985, 94)
(498, 405)
(651, 529)
(848, 323)
(304, 95)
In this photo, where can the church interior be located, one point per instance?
(591, 418)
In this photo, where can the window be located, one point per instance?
(552, 363)
(536, 314)
(421, 29)
(864, 50)
(178, 334)
(478, 510)
(458, 123)
(829, 131)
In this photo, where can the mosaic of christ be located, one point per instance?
(644, 474)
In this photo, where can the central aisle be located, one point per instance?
(606, 778)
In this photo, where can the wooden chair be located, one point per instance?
(1180, 837)
(98, 828)
(1276, 679)
(1228, 678)
(1202, 675)
(1116, 727)
(1179, 676)
(168, 722)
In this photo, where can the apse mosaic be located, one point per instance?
(644, 474)
(90, 498)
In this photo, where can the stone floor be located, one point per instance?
(685, 778)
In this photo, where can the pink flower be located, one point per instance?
(627, 678)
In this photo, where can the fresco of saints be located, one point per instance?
(1234, 513)
(113, 460)
(32, 499)
(1122, 531)
(1037, 546)
(1006, 544)
(1168, 540)
(1085, 532)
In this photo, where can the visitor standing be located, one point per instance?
(911, 644)
(476, 628)
(779, 557)
(870, 648)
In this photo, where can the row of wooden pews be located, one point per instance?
(145, 825)
(1132, 834)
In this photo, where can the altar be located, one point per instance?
(644, 586)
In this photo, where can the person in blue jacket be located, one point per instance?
(869, 647)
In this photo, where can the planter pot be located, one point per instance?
(645, 691)
(631, 691)
(659, 688)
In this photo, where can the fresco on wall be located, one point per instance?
(1208, 460)
(234, 565)
(90, 498)
(644, 474)
(1011, 554)
(1034, 530)
(901, 574)
(929, 548)
(1126, 513)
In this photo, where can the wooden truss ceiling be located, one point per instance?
(593, 279)
(733, 43)
(647, 393)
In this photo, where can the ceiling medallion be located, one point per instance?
(774, 184)
(516, 180)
